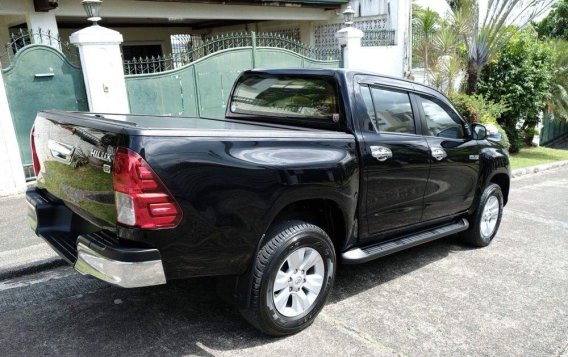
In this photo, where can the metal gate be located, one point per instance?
(552, 129)
(39, 77)
(198, 82)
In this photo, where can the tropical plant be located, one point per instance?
(486, 34)
(426, 22)
(436, 47)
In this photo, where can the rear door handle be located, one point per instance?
(438, 153)
(381, 153)
(61, 152)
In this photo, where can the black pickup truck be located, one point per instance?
(309, 168)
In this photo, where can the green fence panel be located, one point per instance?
(166, 93)
(277, 58)
(40, 78)
(215, 77)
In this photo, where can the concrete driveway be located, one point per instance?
(443, 298)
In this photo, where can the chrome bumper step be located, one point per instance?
(365, 254)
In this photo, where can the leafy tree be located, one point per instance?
(557, 98)
(521, 77)
(556, 23)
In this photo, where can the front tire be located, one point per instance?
(485, 221)
(291, 279)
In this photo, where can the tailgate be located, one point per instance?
(76, 167)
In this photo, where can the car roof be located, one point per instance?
(350, 74)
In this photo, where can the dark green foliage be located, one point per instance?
(556, 23)
(521, 77)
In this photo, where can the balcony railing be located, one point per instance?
(373, 38)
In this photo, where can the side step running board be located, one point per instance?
(362, 255)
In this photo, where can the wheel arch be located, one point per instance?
(504, 182)
(322, 212)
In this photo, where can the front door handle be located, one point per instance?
(381, 153)
(438, 153)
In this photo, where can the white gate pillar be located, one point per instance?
(101, 60)
(12, 179)
(44, 28)
(350, 41)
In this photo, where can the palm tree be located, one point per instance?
(426, 23)
(491, 31)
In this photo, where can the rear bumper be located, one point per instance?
(96, 253)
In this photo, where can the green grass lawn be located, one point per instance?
(536, 156)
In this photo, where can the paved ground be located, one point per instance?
(510, 299)
(19, 246)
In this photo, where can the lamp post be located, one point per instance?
(348, 16)
(349, 39)
(93, 10)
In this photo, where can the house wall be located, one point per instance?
(383, 60)
(140, 35)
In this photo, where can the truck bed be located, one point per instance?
(148, 125)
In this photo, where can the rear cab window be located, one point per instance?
(297, 100)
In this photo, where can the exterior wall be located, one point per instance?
(370, 7)
(172, 10)
(391, 60)
(383, 60)
(133, 35)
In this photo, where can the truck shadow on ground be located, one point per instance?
(185, 317)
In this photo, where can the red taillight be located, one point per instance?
(34, 152)
(141, 198)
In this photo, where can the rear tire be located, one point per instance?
(485, 221)
(291, 279)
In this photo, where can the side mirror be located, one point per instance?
(479, 132)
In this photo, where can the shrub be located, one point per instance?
(476, 109)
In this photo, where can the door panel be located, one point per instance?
(395, 160)
(395, 187)
(455, 160)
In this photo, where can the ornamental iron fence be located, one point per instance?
(203, 47)
(371, 26)
(375, 38)
(21, 38)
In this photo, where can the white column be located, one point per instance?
(101, 60)
(12, 179)
(47, 24)
(350, 39)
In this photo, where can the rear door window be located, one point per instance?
(391, 110)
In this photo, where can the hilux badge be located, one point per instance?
(101, 155)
